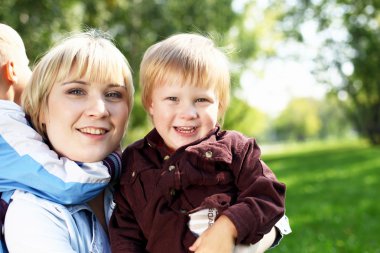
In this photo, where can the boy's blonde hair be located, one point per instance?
(90, 55)
(188, 59)
(11, 45)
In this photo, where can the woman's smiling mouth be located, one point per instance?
(94, 131)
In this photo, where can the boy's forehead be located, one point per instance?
(175, 83)
(180, 78)
(171, 78)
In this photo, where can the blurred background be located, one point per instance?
(306, 85)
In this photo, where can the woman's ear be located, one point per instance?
(42, 118)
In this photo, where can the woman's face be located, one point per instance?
(85, 120)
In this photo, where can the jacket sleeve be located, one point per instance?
(27, 163)
(261, 198)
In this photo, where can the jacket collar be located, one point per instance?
(154, 140)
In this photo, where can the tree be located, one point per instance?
(134, 24)
(335, 122)
(349, 56)
(242, 117)
(299, 121)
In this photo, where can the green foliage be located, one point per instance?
(308, 118)
(335, 124)
(135, 25)
(331, 198)
(38, 22)
(243, 118)
(299, 121)
(351, 39)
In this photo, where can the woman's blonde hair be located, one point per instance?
(95, 58)
(189, 59)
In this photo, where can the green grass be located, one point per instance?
(332, 197)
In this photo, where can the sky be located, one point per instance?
(270, 85)
(280, 82)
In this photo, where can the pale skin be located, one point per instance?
(14, 80)
(183, 113)
(90, 117)
(14, 65)
(220, 237)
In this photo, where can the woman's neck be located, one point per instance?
(97, 206)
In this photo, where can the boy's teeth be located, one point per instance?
(185, 129)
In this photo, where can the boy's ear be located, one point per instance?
(150, 108)
(10, 72)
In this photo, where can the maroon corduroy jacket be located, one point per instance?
(158, 189)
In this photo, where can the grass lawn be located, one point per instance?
(332, 199)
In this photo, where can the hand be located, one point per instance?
(220, 238)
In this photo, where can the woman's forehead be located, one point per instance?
(97, 74)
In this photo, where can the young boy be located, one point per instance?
(187, 166)
(14, 64)
(26, 162)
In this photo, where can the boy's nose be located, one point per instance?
(189, 112)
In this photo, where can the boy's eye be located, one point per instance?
(201, 100)
(76, 92)
(174, 99)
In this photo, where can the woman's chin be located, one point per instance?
(88, 157)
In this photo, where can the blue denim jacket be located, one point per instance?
(50, 227)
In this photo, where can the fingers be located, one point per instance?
(195, 245)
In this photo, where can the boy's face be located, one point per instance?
(183, 113)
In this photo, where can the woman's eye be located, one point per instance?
(76, 92)
(114, 94)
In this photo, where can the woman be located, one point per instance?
(79, 99)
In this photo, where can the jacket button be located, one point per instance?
(133, 173)
(172, 192)
(166, 157)
(208, 154)
(171, 167)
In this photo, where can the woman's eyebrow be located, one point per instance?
(112, 85)
(75, 81)
(116, 85)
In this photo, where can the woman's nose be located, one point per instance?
(97, 107)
